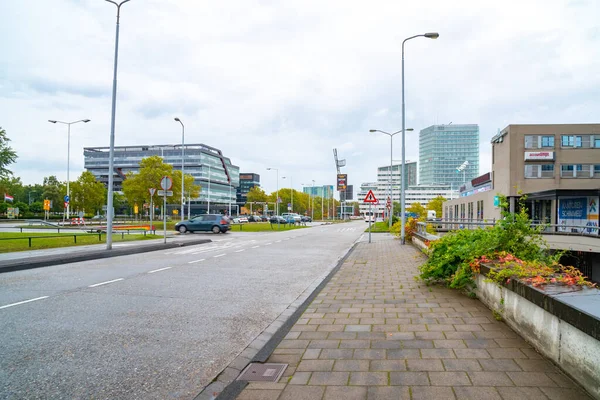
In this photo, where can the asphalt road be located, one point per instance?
(157, 325)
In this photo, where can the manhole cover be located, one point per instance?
(262, 372)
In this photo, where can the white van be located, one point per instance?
(369, 216)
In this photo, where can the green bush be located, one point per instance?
(451, 256)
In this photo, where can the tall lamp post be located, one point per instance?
(277, 199)
(85, 121)
(429, 35)
(182, 163)
(291, 191)
(391, 135)
(312, 193)
(111, 154)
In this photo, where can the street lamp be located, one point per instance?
(111, 154)
(312, 210)
(292, 190)
(429, 35)
(85, 121)
(182, 162)
(391, 135)
(277, 199)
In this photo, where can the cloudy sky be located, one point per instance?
(280, 83)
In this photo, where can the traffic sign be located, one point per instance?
(370, 198)
(165, 183)
(66, 204)
(152, 191)
(279, 199)
(165, 193)
(66, 199)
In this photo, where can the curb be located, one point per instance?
(47, 261)
(230, 388)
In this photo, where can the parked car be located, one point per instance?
(277, 219)
(306, 218)
(292, 217)
(264, 218)
(253, 218)
(243, 219)
(214, 223)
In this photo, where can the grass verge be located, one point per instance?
(14, 241)
(378, 227)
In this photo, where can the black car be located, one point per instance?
(214, 223)
(264, 218)
(277, 219)
(254, 218)
(306, 218)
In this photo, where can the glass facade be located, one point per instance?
(203, 162)
(248, 180)
(325, 191)
(444, 148)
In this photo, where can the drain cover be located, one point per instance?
(262, 372)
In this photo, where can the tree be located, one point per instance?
(256, 195)
(436, 205)
(417, 209)
(54, 191)
(13, 186)
(152, 169)
(7, 154)
(87, 194)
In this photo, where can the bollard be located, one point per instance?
(29, 241)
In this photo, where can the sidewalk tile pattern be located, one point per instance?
(374, 332)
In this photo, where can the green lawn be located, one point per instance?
(378, 227)
(14, 241)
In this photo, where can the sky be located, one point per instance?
(280, 84)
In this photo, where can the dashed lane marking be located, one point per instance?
(196, 261)
(24, 301)
(106, 283)
(160, 269)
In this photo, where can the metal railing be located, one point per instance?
(445, 225)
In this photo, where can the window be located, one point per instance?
(547, 171)
(597, 143)
(547, 141)
(530, 142)
(567, 141)
(567, 171)
(574, 141)
(531, 171)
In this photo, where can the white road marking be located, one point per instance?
(287, 239)
(277, 241)
(23, 302)
(160, 269)
(219, 255)
(239, 251)
(255, 247)
(106, 283)
(191, 262)
(267, 244)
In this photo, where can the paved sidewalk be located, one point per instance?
(376, 333)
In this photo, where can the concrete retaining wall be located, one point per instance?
(577, 353)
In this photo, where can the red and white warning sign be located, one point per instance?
(370, 198)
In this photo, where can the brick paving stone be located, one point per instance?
(471, 353)
(441, 327)
(432, 393)
(403, 353)
(385, 328)
(315, 365)
(310, 354)
(357, 328)
(370, 335)
(259, 395)
(461, 365)
(561, 380)
(329, 378)
(301, 393)
(449, 344)
(400, 336)
(532, 354)
(506, 353)
(417, 344)
(336, 354)
(490, 379)
(424, 365)
(351, 365)
(312, 335)
(388, 365)
(386, 344)
(368, 378)
(456, 378)
(387, 393)
(321, 321)
(346, 393)
(369, 354)
(529, 393)
(409, 378)
(293, 344)
(300, 378)
(429, 335)
(460, 335)
(564, 394)
(437, 353)
(341, 335)
(355, 344)
(536, 365)
(477, 393)
(324, 344)
(531, 379)
(499, 365)
(292, 335)
(481, 343)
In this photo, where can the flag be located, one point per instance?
(8, 197)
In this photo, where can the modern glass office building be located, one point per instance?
(325, 191)
(248, 180)
(213, 172)
(444, 148)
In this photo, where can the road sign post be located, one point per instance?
(370, 198)
(152, 191)
(165, 183)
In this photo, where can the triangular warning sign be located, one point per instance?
(370, 198)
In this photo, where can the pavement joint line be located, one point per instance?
(24, 301)
(106, 283)
(192, 262)
(160, 269)
(220, 255)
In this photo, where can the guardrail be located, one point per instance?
(99, 233)
(548, 229)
